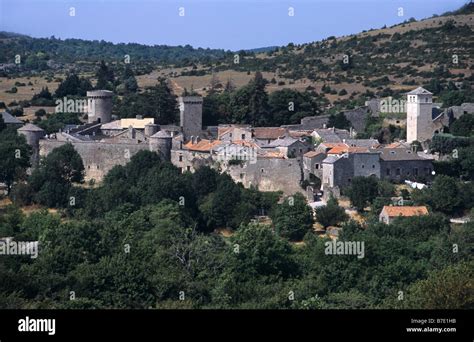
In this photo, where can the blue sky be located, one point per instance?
(227, 24)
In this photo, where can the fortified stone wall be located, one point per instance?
(98, 157)
(187, 160)
(269, 175)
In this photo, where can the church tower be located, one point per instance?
(419, 115)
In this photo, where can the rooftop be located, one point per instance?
(268, 132)
(419, 91)
(30, 128)
(283, 142)
(398, 153)
(312, 154)
(394, 211)
(203, 145)
(10, 119)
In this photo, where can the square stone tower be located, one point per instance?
(190, 115)
(419, 115)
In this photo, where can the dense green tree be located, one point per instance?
(363, 191)
(54, 177)
(448, 288)
(15, 158)
(339, 120)
(443, 196)
(105, 77)
(73, 86)
(292, 218)
(2, 124)
(289, 106)
(464, 126)
(331, 214)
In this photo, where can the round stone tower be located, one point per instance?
(151, 129)
(32, 134)
(99, 105)
(161, 143)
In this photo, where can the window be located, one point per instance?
(415, 171)
(301, 150)
(180, 158)
(188, 168)
(349, 180)
(363, 166)
(373, 166)
(230, 135)
(97, 167)
(242, 175)
(388, 172)
(316, 166)
(243, 136)
(261, 170)
(398, 172)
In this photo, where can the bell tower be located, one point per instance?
(419, 115)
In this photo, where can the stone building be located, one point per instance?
(424, 119)
(190, 115)
(389, 213)
(99, 106)
(290, 147)
(339, 170)
(33, 135)
(313, 164)
(399, 164)
(10, 120)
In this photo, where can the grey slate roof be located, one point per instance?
(283, 142)
(30, 128)
(398, 154)
(419, 91)
(362, 142)
(330, 135)
(10, 119)
(161, 134)
(331, 159)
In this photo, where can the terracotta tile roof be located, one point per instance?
(339, 149)
(331, 145)
(300, 134)
(271, 154)
(203, 145)
(268, 132)
(344, 149)
(312, 154)
(394, 211)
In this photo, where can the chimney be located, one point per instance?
(192, 139)
(198, 139)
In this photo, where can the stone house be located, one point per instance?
(399, 164)
(313, 164)
(389, 213)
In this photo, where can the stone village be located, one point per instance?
(286, 158)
